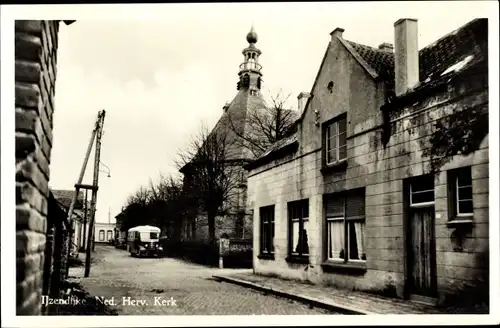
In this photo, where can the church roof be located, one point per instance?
(234, 118)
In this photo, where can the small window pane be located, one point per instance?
(334, 128)
(465, 193)
(305, 209)
(342, 152)
(465, 207)
(423, 183)
(332, 156)
(272, 238)
(464, 177)
(356, 233)
(265, 239)
(342, 125)
(295, 234)
(423, 197)
(336, 239)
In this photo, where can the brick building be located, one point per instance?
(237, 223)
(35, 76)
(368, 194)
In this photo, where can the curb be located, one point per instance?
(329, 305)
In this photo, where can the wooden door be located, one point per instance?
(421, 243)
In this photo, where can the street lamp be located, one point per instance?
(108, 172)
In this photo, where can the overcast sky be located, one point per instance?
(160, 72)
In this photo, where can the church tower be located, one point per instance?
(250, 70)
(237, 223)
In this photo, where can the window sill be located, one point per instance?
(298, 259)
(349, 267)
(334, 167)
(460, 220)
(266, 256)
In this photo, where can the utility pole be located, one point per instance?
(85, 219)
(99, 125)
(78, 185)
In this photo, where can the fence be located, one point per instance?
(207, 253)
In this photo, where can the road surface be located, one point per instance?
(142, 286)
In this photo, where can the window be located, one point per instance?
(153, 235)
(345, 220)
(267, 230)
(110, 234)
(422, 191)
(460, 191)
(298, 214)
(335, 141)
(101, 235)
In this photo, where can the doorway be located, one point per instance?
(421, 240)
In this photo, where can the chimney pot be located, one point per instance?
(406, 66)
(389, 47)
(337, 32)
(302, 97)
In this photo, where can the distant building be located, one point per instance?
(104, 232)
(64, 198)
(352, 201)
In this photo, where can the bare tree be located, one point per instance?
(210, 174)
(263, 126)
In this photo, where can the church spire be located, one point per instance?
(250, 70)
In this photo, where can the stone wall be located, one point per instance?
(35, 76)
(382, 170)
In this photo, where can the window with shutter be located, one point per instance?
(345, 220)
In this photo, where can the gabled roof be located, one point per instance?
(64, 197)
(436, 58)
(466, 46)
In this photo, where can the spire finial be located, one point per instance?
(252, 35)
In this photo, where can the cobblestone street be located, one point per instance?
(115, 274)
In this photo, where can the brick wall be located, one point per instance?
(35, 75)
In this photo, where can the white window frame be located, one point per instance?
(457, 194)
(422, 204)
(298, 219)
(103, 234)
(337, 139)
(270, 222)
(335, 219)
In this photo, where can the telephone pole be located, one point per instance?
(94, 187)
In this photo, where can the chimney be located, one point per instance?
(337, 32)
(406, 55)
(225, 107)
(386, 47)
(302, 97)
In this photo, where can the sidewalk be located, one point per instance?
(349, 302)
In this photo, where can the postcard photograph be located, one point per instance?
(250, 164)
